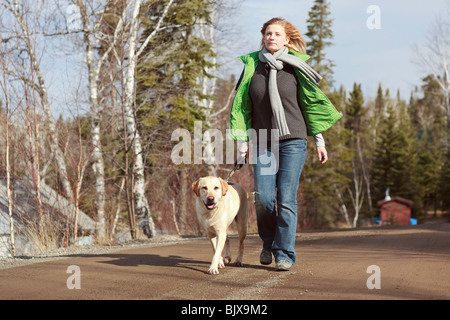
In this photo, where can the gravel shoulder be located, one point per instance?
(92, 249)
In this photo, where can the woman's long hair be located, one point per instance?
(296, 41)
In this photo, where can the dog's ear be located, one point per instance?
(195, 187)
(224, 186)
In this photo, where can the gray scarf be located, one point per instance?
(276, 62)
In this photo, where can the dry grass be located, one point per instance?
(44, 235)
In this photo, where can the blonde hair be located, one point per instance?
(296, 41)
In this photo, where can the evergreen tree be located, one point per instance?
(320, 35)
(383, 168)
(354, 109)
(444, 185)
(429, 123)
(318, 191)
(425, 111)
(395, 161)
(354, 112)
(168, 91)
(322, 184)
(408, 162)
(380, 101)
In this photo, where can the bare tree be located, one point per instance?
(434, 58)
(91, 35)
(133, 51)
(20, 12)
(215, 32)
(364, 171)
(342, 207)
(358, 197)
(33, 142)
(123, 44)
(3, 85)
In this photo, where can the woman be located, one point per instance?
(278, 93)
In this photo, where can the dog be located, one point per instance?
(218, 204)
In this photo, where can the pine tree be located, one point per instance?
(320, 35)
(443, 182)
(409, 179)
(168, 90)
(322, 185)
(380, 102)
(430, 127)
(383, 169)
(354, 112)
(395, 161)
(354, 109)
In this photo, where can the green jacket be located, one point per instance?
(318, 111)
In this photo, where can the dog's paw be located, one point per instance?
(238, 263)
(213, 270)
(227, 260)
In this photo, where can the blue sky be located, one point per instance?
(361, 55)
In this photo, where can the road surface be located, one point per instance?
(377, 263)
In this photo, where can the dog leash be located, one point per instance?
(239, 163)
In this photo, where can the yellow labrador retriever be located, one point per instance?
(218, 203)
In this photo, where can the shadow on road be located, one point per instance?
(135, 260)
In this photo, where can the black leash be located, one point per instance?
(238, 165)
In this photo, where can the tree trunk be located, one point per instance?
(8, 171)
(98, 166)
(357, 199)
(364, 172)
(141, 204)
(342, 208)
(42, 91)
(9, 191)
(184, 192)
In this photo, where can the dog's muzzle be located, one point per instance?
(210, 203)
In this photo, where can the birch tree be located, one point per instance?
(132, 52)
(91, 36)
(219, 35)
(128, 25)
(20, 12)
(207, 85)
(3, 85)
(357, 197)
(354, 112)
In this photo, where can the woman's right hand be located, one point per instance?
(243, 151)
(322, 154)
(242, 147)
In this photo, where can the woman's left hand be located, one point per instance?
(322, 154)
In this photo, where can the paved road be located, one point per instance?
(411, 263)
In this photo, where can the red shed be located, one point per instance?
(396, 211)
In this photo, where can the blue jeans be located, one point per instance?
(276, 180)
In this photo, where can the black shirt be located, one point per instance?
(262, 117)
